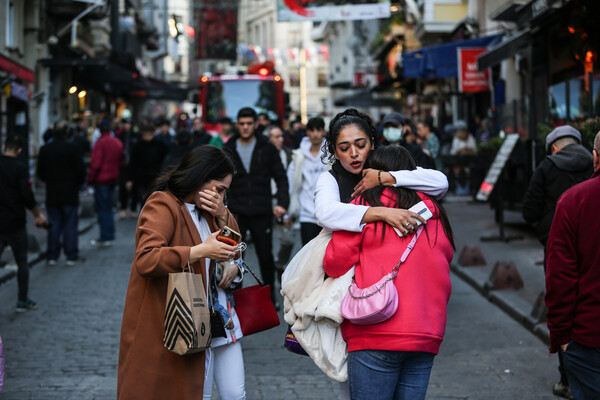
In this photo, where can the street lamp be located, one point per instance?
(81, 96)
(72, 89)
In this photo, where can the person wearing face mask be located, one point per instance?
(398, 131)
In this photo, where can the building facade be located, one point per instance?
(302, 63)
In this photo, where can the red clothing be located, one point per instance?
(573, 267)
(423, 282)
(107, 160)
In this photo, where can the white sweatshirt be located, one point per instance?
(334, 215)
(312, 167)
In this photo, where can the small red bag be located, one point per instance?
(254, 307)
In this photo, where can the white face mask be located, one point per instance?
(392, 135)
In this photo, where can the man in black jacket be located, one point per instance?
(147, 157)
(61, 167)
(200, 136)
(567, 164)
(15, 196)
(257, 161)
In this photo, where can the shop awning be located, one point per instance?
(105, 75)
(503, 50)
(441, 61)
(16, 69)
(151, 88)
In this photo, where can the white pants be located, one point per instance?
(225, 365)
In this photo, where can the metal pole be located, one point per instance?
(303, 97)
(591, 94)
(114, 24)
(515, 120)
(532, 108)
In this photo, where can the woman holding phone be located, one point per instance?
(178, 226)
(392, 360)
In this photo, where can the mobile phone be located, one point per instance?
(229, 236)
(421, 209)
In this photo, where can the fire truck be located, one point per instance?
(224, 95)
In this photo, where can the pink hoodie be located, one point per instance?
(423, 282)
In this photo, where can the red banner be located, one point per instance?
(471, 80)
(18, 70)
(216, 29)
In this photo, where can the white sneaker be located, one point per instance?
(51, 262)
(102, 243)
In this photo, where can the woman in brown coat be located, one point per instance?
(166, 239)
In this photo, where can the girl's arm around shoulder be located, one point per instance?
(330, 212)
(429, 181)
(154, 255)
(342, 252)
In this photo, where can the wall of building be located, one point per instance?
(258, 26)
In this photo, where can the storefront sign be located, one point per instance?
(360, 79)
(470, 79)
(312, 10)
(17, 91)
(497, 166)
(16, 69)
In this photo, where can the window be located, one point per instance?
(294, 77)
(322, 77)
(569, 100)
(10, 24)
(558, 101)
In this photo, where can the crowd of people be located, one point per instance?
(355, 179)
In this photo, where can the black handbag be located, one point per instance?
(217, 324)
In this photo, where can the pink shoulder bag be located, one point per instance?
(378, 302)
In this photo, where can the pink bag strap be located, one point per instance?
(394, 273)
(410, 246)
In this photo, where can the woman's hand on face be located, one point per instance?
(405, 221)
(371, 179)
(230, 271)
(213, 249)
(212, 202)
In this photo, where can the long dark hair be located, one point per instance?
(202, 164)
(397, 158)
(342, 120)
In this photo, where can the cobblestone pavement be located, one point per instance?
(68, 348)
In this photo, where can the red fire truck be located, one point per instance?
(223, 95)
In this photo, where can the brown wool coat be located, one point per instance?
(165, 234)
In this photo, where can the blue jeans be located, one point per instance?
(64, 220)
(393, 375)
(18, 243)
(583, 369)
(104, 197)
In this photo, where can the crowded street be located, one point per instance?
(299, 199)
(68, 348)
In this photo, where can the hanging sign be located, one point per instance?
(471, 80)
(216, 29)
(312, 10)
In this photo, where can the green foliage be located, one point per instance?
(543, 131)
(492, 146)
(588, 129)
